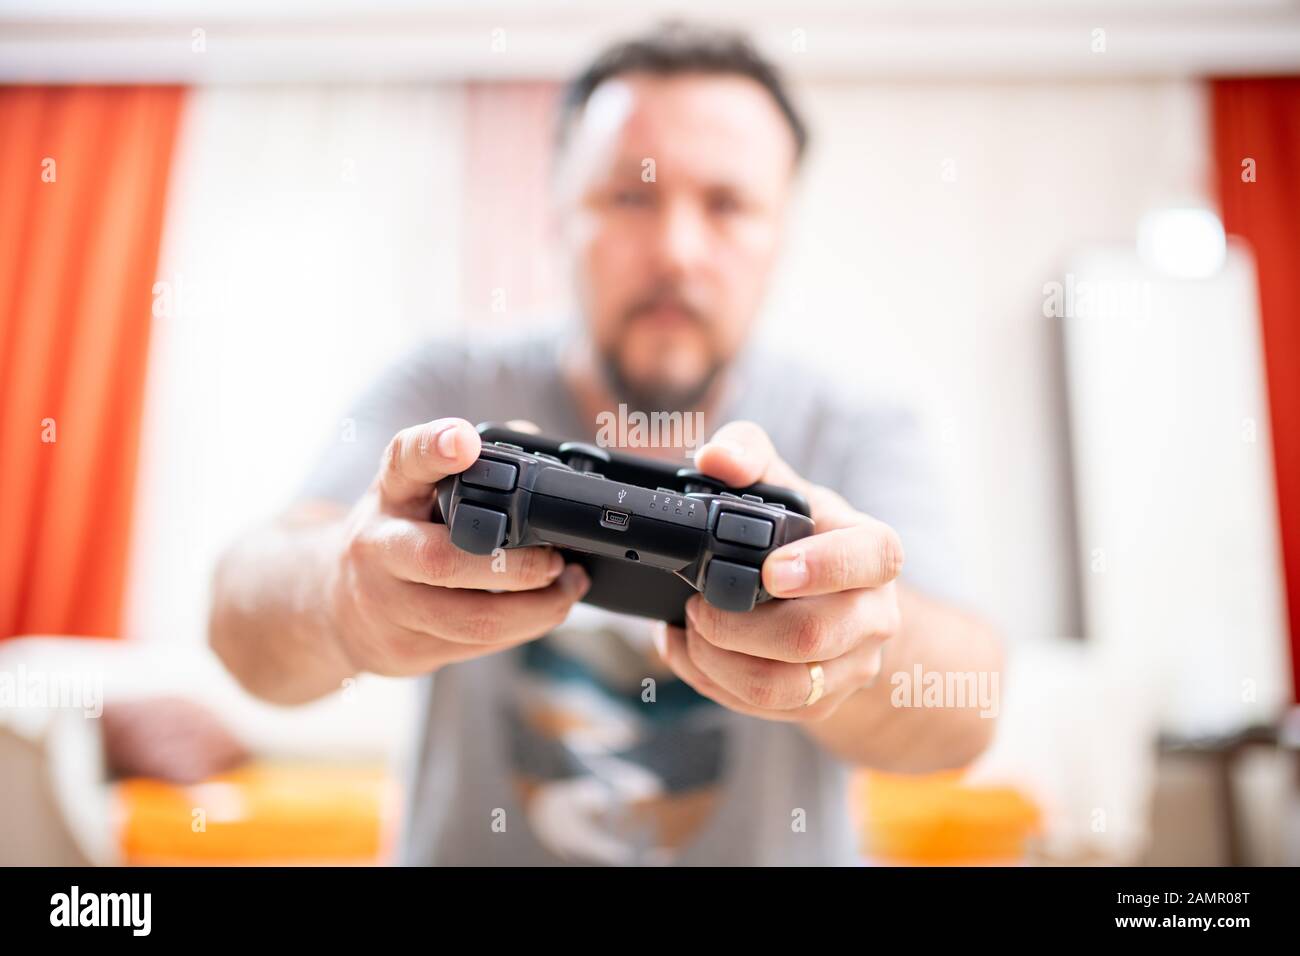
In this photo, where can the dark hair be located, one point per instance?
(675, 48)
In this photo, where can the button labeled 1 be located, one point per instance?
(742, 529)
(486, 473)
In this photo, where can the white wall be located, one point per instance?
(423, 41)
(933, 216)
(1178, 519)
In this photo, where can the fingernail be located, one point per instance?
(789, 572)
(556, 565)
(661, 639)
(731, 448)
(574, 581)
(447, 441)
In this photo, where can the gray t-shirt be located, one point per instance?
(580, 747)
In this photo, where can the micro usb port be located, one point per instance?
(615, 519)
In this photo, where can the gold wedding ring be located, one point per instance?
(818, 677)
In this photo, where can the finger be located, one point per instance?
(422, 552)
(676, 655)
(768, 685)
(487, 620)
(671, 643)
(797, 632)
(867, 554)
(406, 651)
(740, 453)
(422, 455)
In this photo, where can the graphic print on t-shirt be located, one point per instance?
(609, 768)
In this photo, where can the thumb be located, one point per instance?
(740, 453)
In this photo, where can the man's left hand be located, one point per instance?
(793, 660)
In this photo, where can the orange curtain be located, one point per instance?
(83, 175)
(1257, 157)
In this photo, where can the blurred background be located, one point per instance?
(1065, 232)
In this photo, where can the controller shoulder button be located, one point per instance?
(478, 530)
(582, 456)
(744, 529)
(487, 473)
(730, 586)
(696, 482)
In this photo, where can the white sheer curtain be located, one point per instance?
(312, 233)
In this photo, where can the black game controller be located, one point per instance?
(648, 533)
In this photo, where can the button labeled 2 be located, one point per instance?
(477, 530)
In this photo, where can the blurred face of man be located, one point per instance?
(673, 192)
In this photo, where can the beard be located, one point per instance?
(662, 397)
(652, 397)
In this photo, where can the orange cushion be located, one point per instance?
(262, 814)
(937, 819)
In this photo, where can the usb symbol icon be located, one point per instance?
(621, 495)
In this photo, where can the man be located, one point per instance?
(552, 732)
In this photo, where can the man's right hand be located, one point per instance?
(403, 600)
